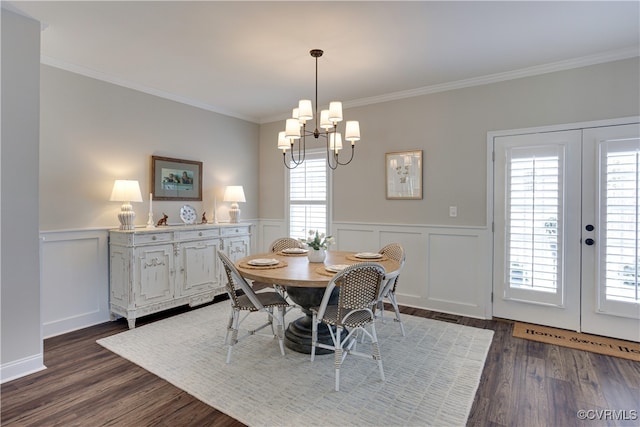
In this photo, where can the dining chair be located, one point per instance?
(276, 246)
(285, 243)
(250, 302)
(359, 289)
(394, 251)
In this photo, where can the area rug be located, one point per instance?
(432, 374)
(593, 343)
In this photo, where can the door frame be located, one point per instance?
(491, 179)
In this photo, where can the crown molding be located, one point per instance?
(568, 64)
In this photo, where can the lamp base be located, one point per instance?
(234, 213)
(126, 217)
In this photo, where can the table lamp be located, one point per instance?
(234, 194)
(126, 191)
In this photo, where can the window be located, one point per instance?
(620, 222)
(534, 199)
(308, 196)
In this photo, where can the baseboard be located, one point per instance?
(19, 368)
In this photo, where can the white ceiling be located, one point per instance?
(251, 59)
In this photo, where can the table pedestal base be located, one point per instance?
(297, 337)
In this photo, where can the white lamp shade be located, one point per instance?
(352, 131)
(292, 129)
(324, 120)
(283, 142)
(234, 193)
(335, 111)
(126, 190)
(305, 110)
(335, 141)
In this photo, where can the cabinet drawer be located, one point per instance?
(198, 234)
(235, 231)
(140, 239)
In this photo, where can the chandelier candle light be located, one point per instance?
(296, 129)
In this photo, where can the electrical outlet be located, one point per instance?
(453, 211)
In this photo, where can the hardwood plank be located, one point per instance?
(523, 383)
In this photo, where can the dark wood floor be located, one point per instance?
(524, 383)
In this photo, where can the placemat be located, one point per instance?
(280, 264)
(324, 272)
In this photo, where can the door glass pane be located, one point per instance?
(620, 218)
(533, 220)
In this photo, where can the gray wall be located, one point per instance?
(20, 260)
(94, 132)
(451, 128)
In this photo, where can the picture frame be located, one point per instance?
(403, 175)
(176, 179)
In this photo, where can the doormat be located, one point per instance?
(593, 343)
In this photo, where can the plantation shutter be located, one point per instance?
(620, 181)
(534, 218)
(308, 196)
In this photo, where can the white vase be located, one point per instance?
(316, 255)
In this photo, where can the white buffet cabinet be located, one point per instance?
(160, 268)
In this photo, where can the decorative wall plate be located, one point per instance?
(188, 214)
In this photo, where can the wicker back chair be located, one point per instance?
(276, 246)
(249, 301)
(285, 243)
(359, 289)
(395, 251)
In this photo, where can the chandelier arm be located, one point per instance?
(302, 152)
(331, 153)
(302, 146)
(353, 149)
(284, 160)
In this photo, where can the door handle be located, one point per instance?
(590, 242)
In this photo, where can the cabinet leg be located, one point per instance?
(132, 322)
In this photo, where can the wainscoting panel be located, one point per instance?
(454, 273)
(448, 269)
(74, 281)
(268, 231)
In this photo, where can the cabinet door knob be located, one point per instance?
(200, 234)
(154, 237)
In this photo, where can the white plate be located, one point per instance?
(336, 268)
(262, 261)
(368, 255)
(188, 214)
(295, 251)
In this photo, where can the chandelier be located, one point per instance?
(294, 136)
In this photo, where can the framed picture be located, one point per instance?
(175, 179)
(403, 174)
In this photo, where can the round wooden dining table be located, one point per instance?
(305, 283)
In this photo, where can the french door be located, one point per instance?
(567, 229)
